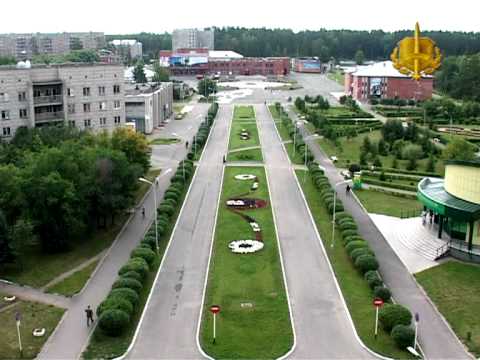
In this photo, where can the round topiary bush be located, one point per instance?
(391, 315)
(366, 263)
(129, 283)
(373, 279)
(349, 232)
(125, 293)
(115, 303)
(343, 215)
(348, 226)
(146, 254)
(149, 241)
(382, 292)
(349, 239)
(344, 220)
(133, 275)
(352, 245)
(166, 209)
(136, 264)
(113, 322)
(356, 253)
(171, 195)
(403, 335)
(171, 202)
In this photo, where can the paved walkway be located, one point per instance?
(323, 328)
(71, 335)
(169, 324)
(436, 338)
(32, 294)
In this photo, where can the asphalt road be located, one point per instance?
(168, 329)
(323, 329)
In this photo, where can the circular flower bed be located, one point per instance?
(245, 177)
(39, 332)
(245, 246)
(9, 298)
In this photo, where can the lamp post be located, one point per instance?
(334, 205)
(18, 317)
(154, 210)
(305, 172)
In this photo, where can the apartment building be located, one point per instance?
(24, 46)
(192, 39)
(87, 96)
(128, 48)
(149, 106)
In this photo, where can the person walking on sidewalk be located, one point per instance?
(143, 212)
(186, 144)
(347, 189)
(89, 313)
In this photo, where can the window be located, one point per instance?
(101, 90)
(3, 96)
(116, 89)
(87, 123)
(71, 108)
(22, 96)
(71, 123)
(22, 113)
(70, 92)
(6, 131)
(102, 105)
(86, 107)
(116, 120)
(103, 121)
(5, 115)
(86, 91)
(116, 104)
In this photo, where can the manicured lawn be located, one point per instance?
(254, 322)
(378, 202)
(454, 287)
(239, 125)
(34, 315)
(102, 346)
(246, 155)
(164, 141)
(243, 112)
(75, 282)
(337, 76)
(354, 288)
(236, 142)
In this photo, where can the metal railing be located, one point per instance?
(409, 213)
(51, 99)
(46, 116)
(442, 250)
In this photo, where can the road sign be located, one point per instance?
(214, 309)
(377, 302)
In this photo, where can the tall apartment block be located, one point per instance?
(192, 39)
(87, 96)
(24, 46)
(128, 48)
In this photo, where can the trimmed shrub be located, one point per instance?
(125, 293)
(133, 275)
(115, 303)
(171, 195)
(136, 264)
(166, 209)
(366, 263)
(129, 283)
(343, 215)
(150, 242)
(352, 245)
(345, 220)
(351, 238)
(349, 232)
(359, 252)
(113, 322)
(391, 315)
(403, 335)
(382, 292)
(338, 207)
(373, 279)
(146, 254)
(348, 226)
(171, 202)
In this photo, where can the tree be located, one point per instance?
(300, 104)
(207, 86)
(430, 164)
(459, 149)
(22, 237)
(134, 145)
(366, 145)
(359, 57)
(6, 255)
(392, 130)
(160, 73)
(139, 72)
(382, 147)
(7, 60)
(412, 153)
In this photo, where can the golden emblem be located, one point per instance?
(416, 56)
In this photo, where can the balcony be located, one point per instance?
(49, 116)
(48, 100)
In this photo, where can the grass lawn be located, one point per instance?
(236, 142)
(261, 328)
(378, 202)
(39, 268)
(34, 315)
(102, 346)
(143, 187)
(246, 155)
(243, 112)
(164, 141)
(337, 76)
(355, 290)
(75, 282)
(454, 287)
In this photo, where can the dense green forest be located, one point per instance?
(459, 77)
(340, 44)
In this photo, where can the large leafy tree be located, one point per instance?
(459, 149)
(139, 72)
(206, 87)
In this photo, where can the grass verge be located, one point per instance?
(164, 141)
(74, 283)
(246, 155)
(254, 322)
(378, 202)
(454, 287)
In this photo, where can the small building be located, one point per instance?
(382, 81)
(454, 204)
(149, 106)
(307, 65)
(129, 49)
(193, 38)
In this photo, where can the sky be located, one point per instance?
(124, 17)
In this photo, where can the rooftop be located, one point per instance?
(63, 65)
(124, 42)
(379, 69)
(224, 54)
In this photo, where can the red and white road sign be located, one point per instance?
(377, 302)
(214, 309)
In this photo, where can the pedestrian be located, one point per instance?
(143, 212)
(224, 159)
(186, 144)
(347, 189)
(424, 217)
(89, 313)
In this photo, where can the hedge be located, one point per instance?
(145, 254)
(115, 303)
(403, 335)
(113, 322)
(166, 209)
(133, 274)
(390, 184)
(391, 315)
(356, 253)
(352, 245)
(351, 238)
(136, 264)
(125, 293)
(373, 279)
(366, 263)
(382, 292)
(348, 226)
(349, 232)
(128, 283)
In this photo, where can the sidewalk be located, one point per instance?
(437, 339)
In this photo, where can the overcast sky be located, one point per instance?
(121, 16)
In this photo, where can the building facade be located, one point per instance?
(382, 80)
(128, 49)
(149, 107)
(24, 46)
(192, 39)
(87, 96)
(307, 65)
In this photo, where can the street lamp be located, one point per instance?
(334, 205)
(154, 210)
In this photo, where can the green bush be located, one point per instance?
(343, 215)
(403, 335)
(150, 242)
(113, 322)
(352, 245)
(146, 254)
(349, 232)
(382, 292)
(171, 195)
(172, 202)
(391, 315)
(166, 209)
(348, 239)
(356, 253)
(129, 283)
(133, 275)
(115, 303)
(348, 226)
(366, 263)
(373, 279)
(125, 293)
(345, 220)
(136, 264)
